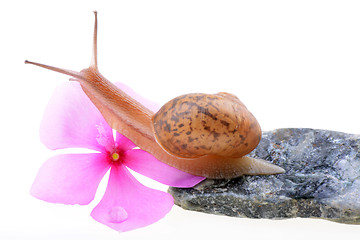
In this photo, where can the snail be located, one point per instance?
(207, 135)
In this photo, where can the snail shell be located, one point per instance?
(199, 124)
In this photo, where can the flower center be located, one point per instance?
(115, 156)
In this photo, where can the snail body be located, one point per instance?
(202, 134)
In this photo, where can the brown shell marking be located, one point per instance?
(198, 124)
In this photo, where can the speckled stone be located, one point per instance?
(322, 180)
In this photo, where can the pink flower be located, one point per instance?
(72, 121)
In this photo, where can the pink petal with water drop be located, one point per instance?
(147, 165)
(70, 178)
(127, 204)
(72, 121)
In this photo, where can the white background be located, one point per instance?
(293, 63)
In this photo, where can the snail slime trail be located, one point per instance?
(203, 134)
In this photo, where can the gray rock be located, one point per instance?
(322, 180)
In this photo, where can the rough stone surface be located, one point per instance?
(322, 180)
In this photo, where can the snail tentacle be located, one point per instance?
(75, 74)
(94, 60)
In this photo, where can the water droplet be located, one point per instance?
(118, 214)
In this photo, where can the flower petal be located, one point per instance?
(147, 103)
(71, 120)
(123, 143)
(147, 165)
(127, 204)
(70, 178)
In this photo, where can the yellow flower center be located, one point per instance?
(115, 156)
